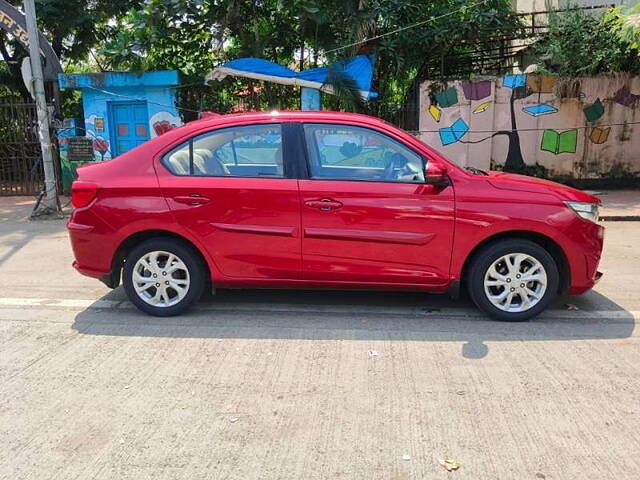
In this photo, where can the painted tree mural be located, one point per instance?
(519, 90)
(478, 91)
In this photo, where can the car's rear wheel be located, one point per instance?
(513, 280)
(163, 277)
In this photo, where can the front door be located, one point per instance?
(367, 214)
(130, 121)
(231, 189)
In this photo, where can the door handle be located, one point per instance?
(326, 204)
(193, 199)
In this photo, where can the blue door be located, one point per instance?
(130, 125)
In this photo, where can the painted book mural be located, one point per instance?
(581, 128)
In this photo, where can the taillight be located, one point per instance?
(82, 193)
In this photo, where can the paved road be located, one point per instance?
(310, 385)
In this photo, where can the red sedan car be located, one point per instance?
(325, 199)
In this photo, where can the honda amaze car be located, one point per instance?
(325, 199)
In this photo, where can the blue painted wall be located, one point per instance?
(101, 90)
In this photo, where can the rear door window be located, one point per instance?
(245, 151)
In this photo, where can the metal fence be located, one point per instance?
(21, 171)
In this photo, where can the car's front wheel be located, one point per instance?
(513, 280)
(163, 277)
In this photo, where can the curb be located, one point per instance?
(620, 218)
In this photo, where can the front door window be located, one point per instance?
(343, 152)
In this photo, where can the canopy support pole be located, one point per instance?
(309, 98)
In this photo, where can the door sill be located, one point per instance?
(324, 285)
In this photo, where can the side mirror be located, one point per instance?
(436, 174)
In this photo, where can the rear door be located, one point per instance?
(231, 188)
(367, 214)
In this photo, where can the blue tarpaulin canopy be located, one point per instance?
(360, 69)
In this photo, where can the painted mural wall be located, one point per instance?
(121, 110)
(162, 115)
(581, 128)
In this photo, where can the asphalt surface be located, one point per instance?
(310, 385)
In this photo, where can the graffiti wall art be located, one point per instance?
(599, 135)
(476, 90)
(454, 133)
(559, 142)
(447, 98)
(536, 124)
(541, 109)
(164, 121)
(594, 111)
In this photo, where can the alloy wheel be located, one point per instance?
(515, 282)
(161, 279)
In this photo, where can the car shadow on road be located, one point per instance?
(358, 316)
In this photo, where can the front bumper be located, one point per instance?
(580, 289)
(589, 241)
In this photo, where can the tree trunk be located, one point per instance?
(514, 161)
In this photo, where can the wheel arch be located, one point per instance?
(550, 245)
(112, 279)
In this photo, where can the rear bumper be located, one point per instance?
(92, 246)
(110, 279)
(88, 272)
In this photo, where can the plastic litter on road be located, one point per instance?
(449, 464)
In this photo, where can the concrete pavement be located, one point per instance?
(313, 385)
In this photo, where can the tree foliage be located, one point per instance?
(626, 24)
(193, 36)
(73, 27)
(580, 43)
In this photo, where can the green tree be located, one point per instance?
(193, 36)
(73, 27)
(626, 24)
(581, 43)
(407, 57)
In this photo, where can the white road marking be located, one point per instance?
(82, 304)
(60, 303)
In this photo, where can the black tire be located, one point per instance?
(492, 252)
(192, 261)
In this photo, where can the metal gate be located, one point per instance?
(21, 171)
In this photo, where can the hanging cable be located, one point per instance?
(402, 29)
(142, 100)
(529, 129)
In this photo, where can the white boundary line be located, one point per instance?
(82, 304)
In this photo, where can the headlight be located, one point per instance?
(588, 211)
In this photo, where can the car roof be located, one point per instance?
(289, 116)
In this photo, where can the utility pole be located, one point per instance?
(51, 195)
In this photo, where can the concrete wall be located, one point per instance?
(585, 128)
